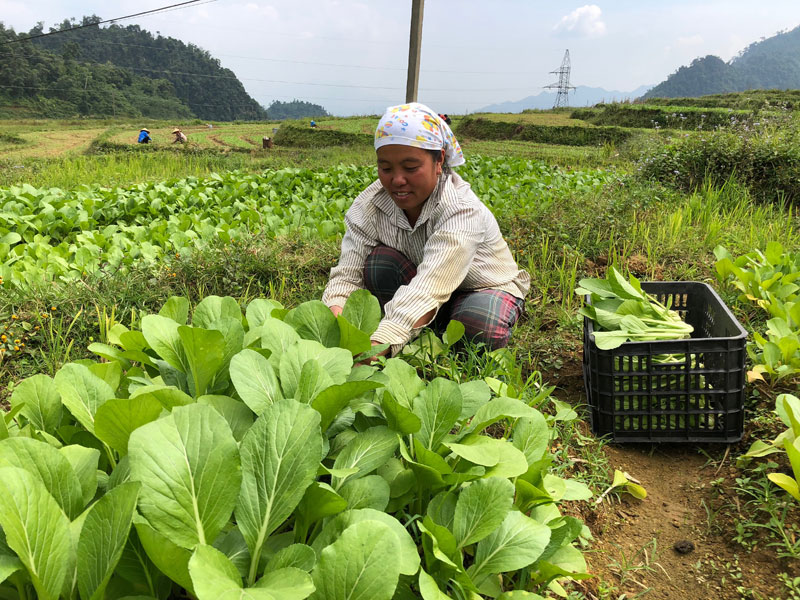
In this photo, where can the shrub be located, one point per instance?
(656, 117)
(764, 157)
(566, 135)
(300, 135)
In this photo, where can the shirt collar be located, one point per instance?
(383, 202)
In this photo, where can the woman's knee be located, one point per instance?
(488, 316)
(385, 270)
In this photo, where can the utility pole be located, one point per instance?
(414, 45)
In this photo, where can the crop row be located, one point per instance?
(50, 233)
(251, 454)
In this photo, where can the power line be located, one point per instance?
(139, 14)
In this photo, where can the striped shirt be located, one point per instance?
(455, 244)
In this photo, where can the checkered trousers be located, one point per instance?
(487, 315)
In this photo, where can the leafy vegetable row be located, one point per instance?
(250, 454)
(49, 233)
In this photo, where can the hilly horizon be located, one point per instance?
(772, 63)
(582, 96)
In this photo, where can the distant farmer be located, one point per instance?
(180, 137)
(144, 136)
(423, 243)
(313, 123)
(446, 119)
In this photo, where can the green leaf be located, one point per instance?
(787, 483)
(36, 529)
(531, 436)
(428, 588)
(237, 414)
(255, 381)
(215, 308)
(474, 394)
(168, 396)
(188, 464)
(503, 459)
(352, 338)
(406, 557)
(481, 508)
(103, 538)
(517, 543)
(287, 583)
(398, 417)
(162, 336)
(277, 337)
(83, 461)
(360, 565)
(371, 491)
(439, 407)
(314, 321)
(110, 372)
(117, 418)
(280, 455)
(330, 401)
(82, 392)
(319, 501)
(177, 309)
(336, 362)
(313, 379)
(298, 556)
(215, 577)
(47, 464)
(41, 402)
(260, 310)
(203, 348)
(453, 333)
(366, 452)
(168, 557)
(363, 311)
(498, 409)
(404, 383)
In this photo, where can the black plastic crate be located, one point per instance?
(688, 390)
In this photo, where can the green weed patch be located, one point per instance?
(567, 135)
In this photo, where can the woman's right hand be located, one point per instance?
(336, 310)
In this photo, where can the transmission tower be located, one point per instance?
(563, 86)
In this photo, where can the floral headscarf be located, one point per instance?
(417, 125)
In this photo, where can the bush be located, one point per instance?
(565, 135)
(764, 157)
(300, 135)
(655, 117)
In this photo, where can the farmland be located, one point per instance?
(141, 288)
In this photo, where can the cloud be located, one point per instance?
(584, 21)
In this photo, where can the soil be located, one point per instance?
(665, 546)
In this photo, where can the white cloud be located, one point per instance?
(584, 21)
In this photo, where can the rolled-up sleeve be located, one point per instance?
(448, 255)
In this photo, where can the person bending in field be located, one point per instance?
(180, 137)
(423, 243)
(144, 136)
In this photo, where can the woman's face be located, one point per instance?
(409, 175)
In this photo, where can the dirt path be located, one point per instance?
(668, 546)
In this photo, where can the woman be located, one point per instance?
(423, 243)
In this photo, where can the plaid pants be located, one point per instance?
(487, 315)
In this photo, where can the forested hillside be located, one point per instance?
(296, 109)
(120, 70)
(773, 63)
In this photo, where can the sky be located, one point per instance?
(351, 57)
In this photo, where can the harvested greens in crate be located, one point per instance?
(662, 361)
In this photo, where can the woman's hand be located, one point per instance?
(336, 310)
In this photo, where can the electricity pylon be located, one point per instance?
(563, 86)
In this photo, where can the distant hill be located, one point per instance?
(773, 63)
(582, 96)
(296, 109)
(209, 90)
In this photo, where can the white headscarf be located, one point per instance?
(417, 125)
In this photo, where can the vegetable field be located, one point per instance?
(184, 419)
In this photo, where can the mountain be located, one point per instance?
(581, 96)
(772, 63)
(197, 79)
